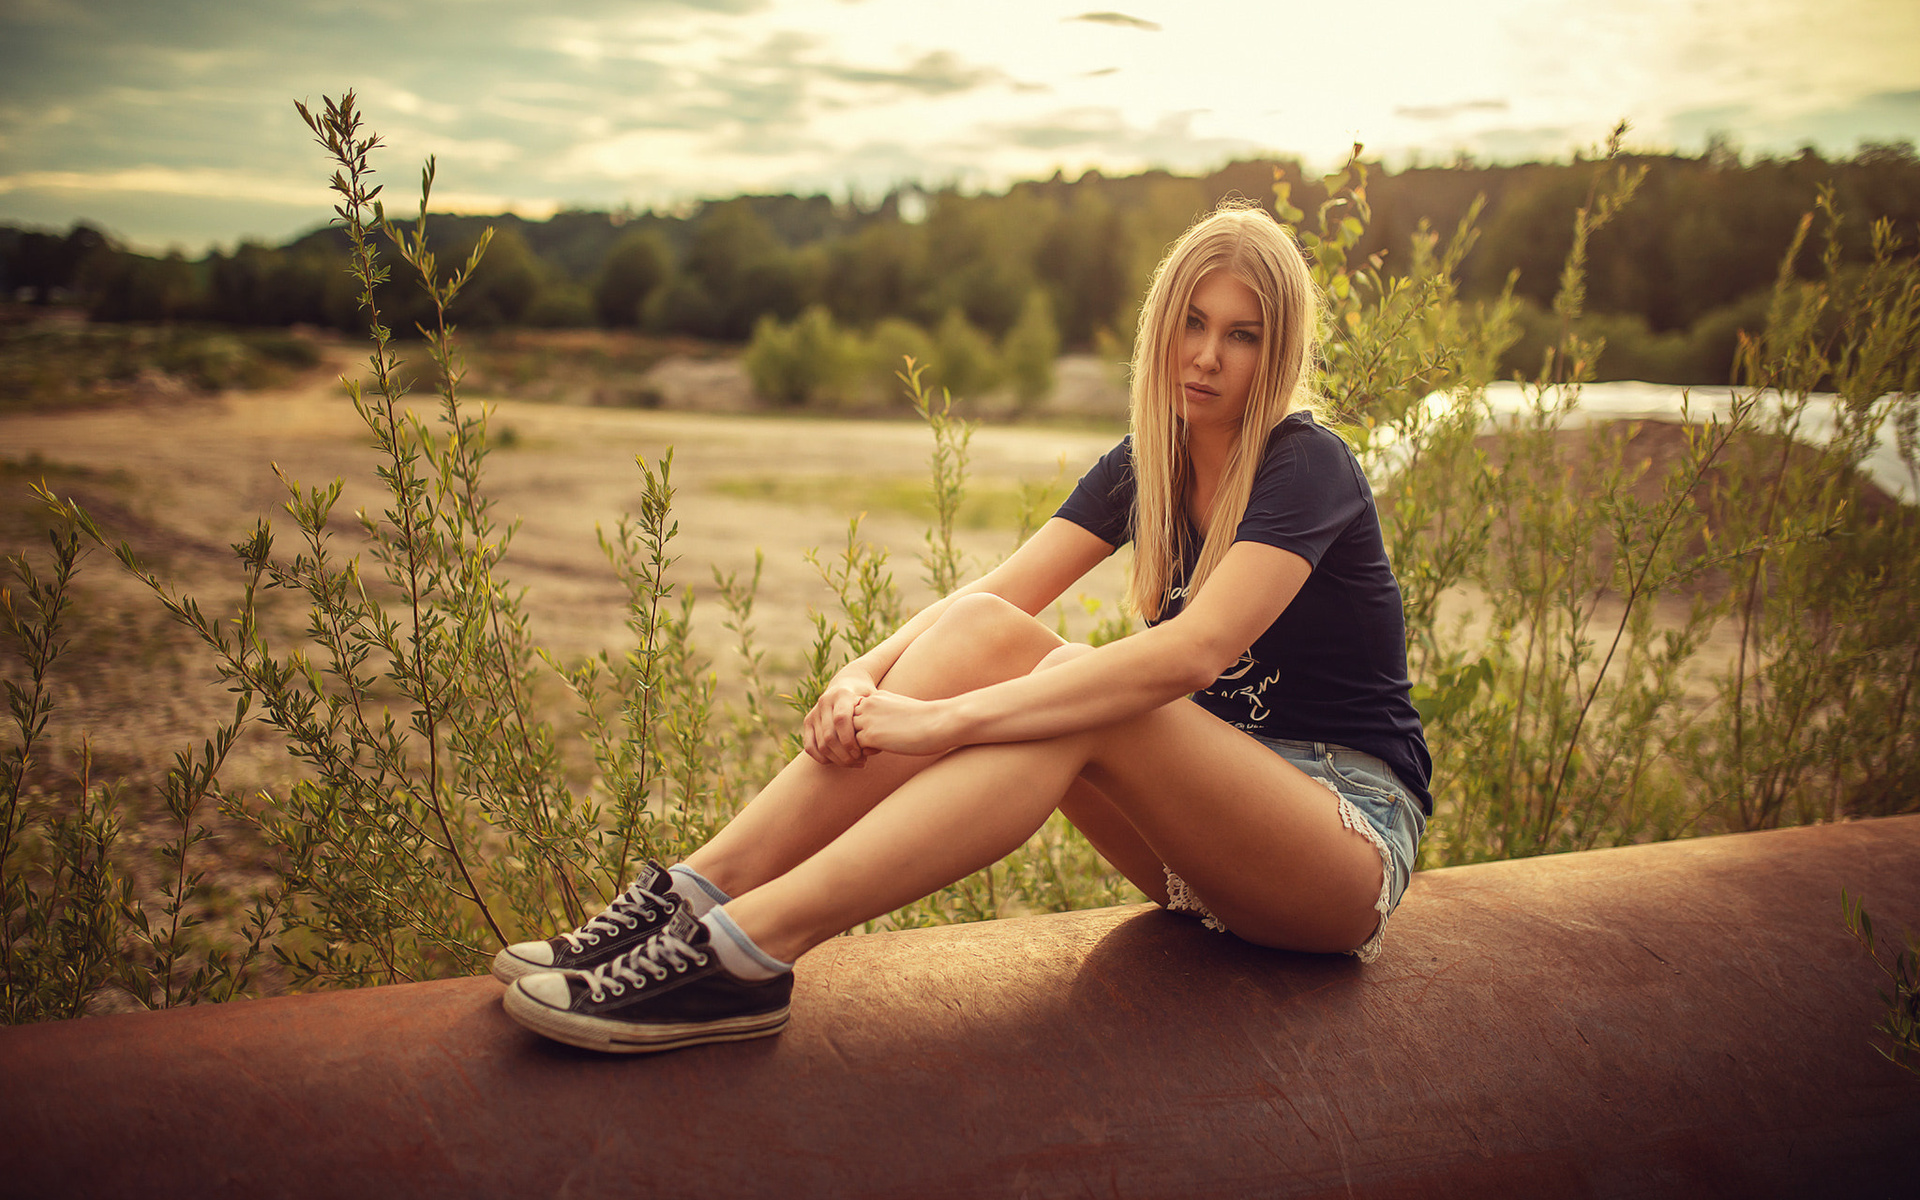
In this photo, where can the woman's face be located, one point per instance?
(1219, 351)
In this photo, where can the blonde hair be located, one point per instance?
(1252, 247)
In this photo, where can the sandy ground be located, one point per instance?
(195, 475)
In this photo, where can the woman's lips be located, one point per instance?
(1199, 391)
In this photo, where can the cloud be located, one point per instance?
(1889, 116)
(1095, 134)
(935, 73)
(766, 113)
(168, 181)
(795, 59)
(239, 185)
(151, 221)
(1522, 144)
(760, 102)
(1081, 128)
(1120, 20)
(786, 80)
(1440, 112)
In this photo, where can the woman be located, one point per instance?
(1283, 802)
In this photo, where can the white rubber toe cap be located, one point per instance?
(540, 954)
(522, 958)
(548, 987)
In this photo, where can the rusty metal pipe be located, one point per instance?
(1684, 1019)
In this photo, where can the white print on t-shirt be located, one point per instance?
(1254, 693)
(1240, 668)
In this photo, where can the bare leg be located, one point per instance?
(1102, 823)
(980, 640)
(1260, 843)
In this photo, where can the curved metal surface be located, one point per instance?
(1686, 1019)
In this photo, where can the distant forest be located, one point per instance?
(1672, 280)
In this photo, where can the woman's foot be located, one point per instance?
(633, 916)
(670, 991)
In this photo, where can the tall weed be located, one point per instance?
(1816, 718)
(1583, 582)
(60, 941)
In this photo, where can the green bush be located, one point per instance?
(54, 366)
(892, 341)
(1817, 719)
(964, 358)
(811, 360)
(814, 360)
(1030, 348)
(637, 267)
(1558, 710)
(560, 306)
(1706, 351)
(1901, 1024)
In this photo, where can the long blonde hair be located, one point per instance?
(1251, 246)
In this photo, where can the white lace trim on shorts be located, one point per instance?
(1180, 897)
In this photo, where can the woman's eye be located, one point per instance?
(1193, 322)
(1248, 336)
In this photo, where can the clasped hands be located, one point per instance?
(855, 719)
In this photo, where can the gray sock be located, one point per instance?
(738, 954)
(695, 890)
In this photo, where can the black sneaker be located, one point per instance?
(668, 992)
(633, 915)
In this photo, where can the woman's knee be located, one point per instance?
(990, 625)
(1066, 652)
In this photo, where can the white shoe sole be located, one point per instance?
(626, 1037)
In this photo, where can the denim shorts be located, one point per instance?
(1372, 802)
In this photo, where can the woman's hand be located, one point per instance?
(828, 734)
(904, 725)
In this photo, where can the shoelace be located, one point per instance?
(618, 915)
(658, 956)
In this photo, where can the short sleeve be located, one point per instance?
(1307, 492)
(1102, 502)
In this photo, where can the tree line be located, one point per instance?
(1672, 281)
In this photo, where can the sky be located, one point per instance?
(170, 123)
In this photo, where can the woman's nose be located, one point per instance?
(1206, 355)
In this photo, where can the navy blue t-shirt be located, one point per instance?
(1333, 666)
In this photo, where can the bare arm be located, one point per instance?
(1253, 585)
(1031, 578)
